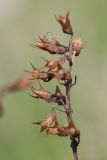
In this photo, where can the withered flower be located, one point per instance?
(52, 46)
(19, 84)
(46, 123)
(48, 97)
(65, 23)
(63, 131)
(76, 46)
(55, 64)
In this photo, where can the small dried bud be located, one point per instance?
(65, 24)
(55, 64)
(48, 121)
(76, 46)
(52, 46)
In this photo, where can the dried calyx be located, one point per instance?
(58, 97)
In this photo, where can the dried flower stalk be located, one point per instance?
(56, 70)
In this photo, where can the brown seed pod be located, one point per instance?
(65, 23)
(76, 46)
(52, 46)
(44, 124)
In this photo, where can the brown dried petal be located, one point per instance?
(65, 24)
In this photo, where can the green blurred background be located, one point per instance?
(20, 22)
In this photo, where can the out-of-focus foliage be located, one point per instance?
(20, 23)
